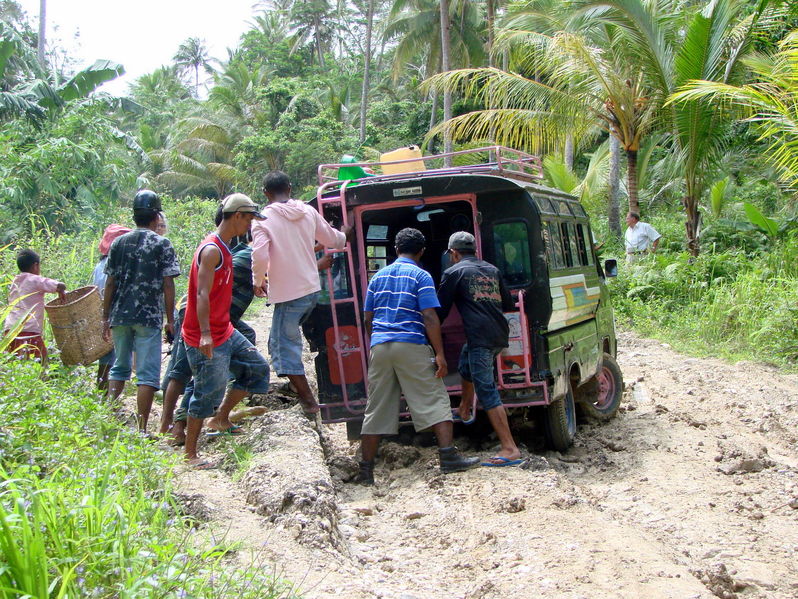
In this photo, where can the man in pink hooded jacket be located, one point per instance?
(283, 258)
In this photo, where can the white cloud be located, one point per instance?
(140, 34)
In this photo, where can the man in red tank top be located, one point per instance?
(214, 349)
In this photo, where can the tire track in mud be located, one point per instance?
(638, 508)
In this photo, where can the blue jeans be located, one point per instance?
(476, 366)
(236, 357)
(285, 338)
(146, 343)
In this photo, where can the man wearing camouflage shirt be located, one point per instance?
(141, 268)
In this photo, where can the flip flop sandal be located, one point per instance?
(233, 431)
(201, 464)
(286, 389)
(456, 416)
(502, 462)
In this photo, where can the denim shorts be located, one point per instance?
(179, 368)
(107, 359)
(182, 410)
(236, 357)
(145, 342)
(476, 366)
(285, 338)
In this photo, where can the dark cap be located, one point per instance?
(146, 200)
(462, 241)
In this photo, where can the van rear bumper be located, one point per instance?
(536, 395)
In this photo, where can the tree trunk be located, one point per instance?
(433, 115)
(317, 35)
(568, 152)
(491, 15)
(42, 33)
(196, 81)
(692, 224)
(364, 94)
(613, 188)
(631, 180)
(446, 66)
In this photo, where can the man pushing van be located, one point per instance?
(400, 317)
(477, 289)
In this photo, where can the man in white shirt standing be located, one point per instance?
(640, 237)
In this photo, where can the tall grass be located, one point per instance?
(732, 304)
(86, 504)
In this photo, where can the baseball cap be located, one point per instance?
(462, 240)
(238, 202)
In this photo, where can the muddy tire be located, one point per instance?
(560, 418)
(604, 398)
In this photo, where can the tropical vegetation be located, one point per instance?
(683, 110)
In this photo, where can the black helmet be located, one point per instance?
(146, 200)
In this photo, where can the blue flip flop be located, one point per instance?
(233, 431)
(502, 462)
(456, 416)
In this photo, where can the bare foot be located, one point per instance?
(219, 425)
(309, 405)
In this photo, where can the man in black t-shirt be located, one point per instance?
(477, 289)
(141, 267)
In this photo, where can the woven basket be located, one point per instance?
(77, 326)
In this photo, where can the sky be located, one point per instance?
(140, 34)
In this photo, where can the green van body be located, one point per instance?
(539, 239)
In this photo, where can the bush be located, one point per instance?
(726, 304)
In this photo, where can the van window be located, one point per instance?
(511, 246)
(573, 245)
(544, 205)
(340, 277)
(566, 245)
(585, 245)
(553, 241)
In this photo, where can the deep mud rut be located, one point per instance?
(692, 491)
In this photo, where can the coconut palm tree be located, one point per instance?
(578, 80)
(312, 20)
(364, 91)
(710, 44)
(192, 55)
(770, 103)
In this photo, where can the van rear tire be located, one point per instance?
(560, 418)
(604, 398)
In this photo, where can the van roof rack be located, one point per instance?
(501, 161)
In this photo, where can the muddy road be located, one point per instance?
(692, 491)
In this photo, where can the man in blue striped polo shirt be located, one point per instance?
(400, 316)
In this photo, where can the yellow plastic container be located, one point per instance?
(405, 167)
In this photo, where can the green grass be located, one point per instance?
(734, 305)
(87, 506)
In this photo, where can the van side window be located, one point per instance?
(585, 246)
(566, 245)
(511, 248)
(574, 246)
(553, 241)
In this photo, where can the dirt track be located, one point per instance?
(692, 491)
